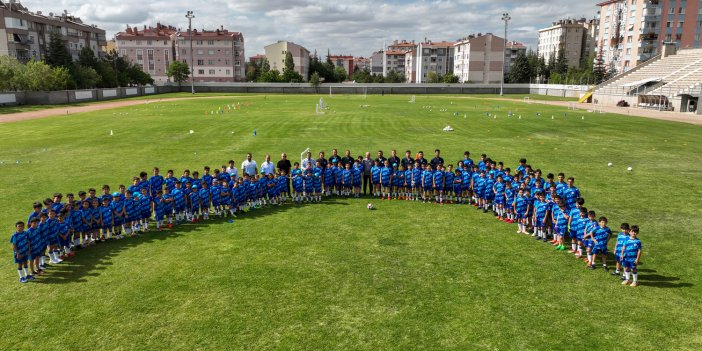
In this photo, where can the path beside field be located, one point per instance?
(69, 110)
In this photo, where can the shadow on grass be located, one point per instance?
(89, 262)
(647, 277)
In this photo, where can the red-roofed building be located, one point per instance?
(512, 50)
(218, 55)
(432, 57)
(257, 59)
(343, 61)
(152, 48)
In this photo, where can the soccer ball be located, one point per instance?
(609, 164)
(629, 169)
(370, 206)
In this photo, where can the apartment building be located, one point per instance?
(152, 48)
(24, 34)
(434, 57)
(633, 31)
(574, 37)
(217, 55)
(276, 52)
(512, 50)
(394, 55)
(344, 61)
(479, 58)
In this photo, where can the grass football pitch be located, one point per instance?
(335, 275)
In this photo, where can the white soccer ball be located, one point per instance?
(609, 164)
(192, 131)
(370, 206)
(629, 169)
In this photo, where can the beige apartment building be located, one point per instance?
(218, 55)
(574, 37)
(275, 53)
(152, 48)
(479, 59)
(433, 57)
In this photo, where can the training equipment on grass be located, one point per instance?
(448, 129)
(318, 110)
(111, 133)
(609, 164)
(413, 99)
(322, 104)
(192, 131)
(370, 206)
(629, 169)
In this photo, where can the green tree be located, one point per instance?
(362, 76)
(450, 78)
(340, 74)
(253, 70)
(599, 70)
(58, 54)
(272, 76)
(289, 73)
(178, 71)
(561, 64)
(87, 58)
(433, 77)
(10, 72)
(137, 76)
(520, 71)
(85, 77)
(59, 78)
(107, 75)
(265, 66)
(315, 80)
(394, 77)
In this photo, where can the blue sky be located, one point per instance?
(356, 27)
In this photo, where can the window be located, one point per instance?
(123, 52)
(210, 62)
(680, 24)
(150, 58)
(198, 42)
(200, 62)
(210, 42)
(166, 59)
(184, 51)
(140, 56)
(201, 71)
(226, 62)
(199, 51)
(149, 42)
(212, 71)
(236, 53)
(138, 42)
(228, 72)
(237, 63)
(210, 52)
(681, 10)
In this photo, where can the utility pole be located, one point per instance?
(506, 18)
(190, 17)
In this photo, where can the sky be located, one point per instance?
(357, 27)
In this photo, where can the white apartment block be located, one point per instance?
(217, 55)
(434, 57)
(571, 36)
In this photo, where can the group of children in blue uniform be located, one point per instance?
(550, 209)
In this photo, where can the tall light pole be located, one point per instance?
(190, 17)
(506, 18)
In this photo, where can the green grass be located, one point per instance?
(337, 276)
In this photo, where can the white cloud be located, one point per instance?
(359, 27)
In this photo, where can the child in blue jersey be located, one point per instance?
(577, 228)
(185, 178)
(448, 183)
(194, 201)
(622, 237)
(129, 213)
(385, 180)
(168, 206)
(540, 211)
(574, 214)
(282, 180)
(170, 181)
(489, 193)
(357, 170)
(52, 237)
(216, 196)
(589, 226)
(205, 200)
(36, 248)
(155, 182)
(145, 208)
(117, 205)
(317, 178)
(159, 209)
(328, 179)
(407, 189)
(21, 251)
(416, 181)
(106, 219)
(509, 201)
(480, 188)
(560, 222)
(297, 183)
(520, 205)
(308, 186)
(439, 184)
(398, 178)
(64, 235)
(457, 186)
(179, 202)
(95, 224)
(631, 254)
(375, 178)
(427, 183)
(466, 177)
(498, 190)
(206, 176)
(600, 238)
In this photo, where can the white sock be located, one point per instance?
(627, 274)
(19, 271)
(636, 277)
(25, 271)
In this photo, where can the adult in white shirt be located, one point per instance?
(268, 167)
(309, 161)
(249, 166)
(233, 172)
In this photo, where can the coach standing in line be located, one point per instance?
(437, 160)
(408, 160)
(394, 160)
(347, 159)
(367, 164)
(322, 161)
(285, 166)
(334, 158)
(381, 159)
(249, 166)
(420, 159)
(233, 172)
(267, 167)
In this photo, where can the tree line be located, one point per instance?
(532, 68)
(58, 71)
